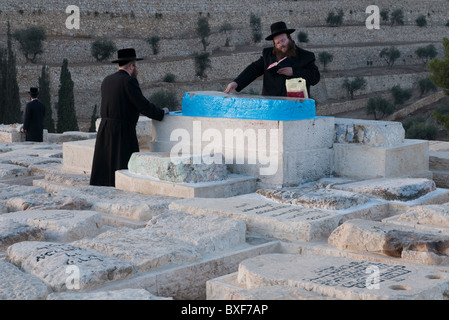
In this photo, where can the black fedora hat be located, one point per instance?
(278, 28)
(126, 55)
(34, 90)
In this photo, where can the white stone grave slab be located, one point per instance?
(235, 184)
(207, 233)
(394, 240)
(124, 294)
(264, 217)
(19, 285)
(12, 232)
(401, 189)
(120, 203)
(59, 225)
(11, 171)
(45, 201)
(57, 264)
(141, 247)
(78, 156)
(344, 278)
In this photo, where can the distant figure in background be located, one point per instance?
(33, 124)
(298, 63)
(122, 102)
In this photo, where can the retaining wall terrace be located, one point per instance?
(177, 18)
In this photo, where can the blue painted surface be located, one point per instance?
(237, 107)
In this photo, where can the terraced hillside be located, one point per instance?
(354, 47)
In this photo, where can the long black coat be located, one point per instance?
(122, 102)
(33, 123)
(274, 83)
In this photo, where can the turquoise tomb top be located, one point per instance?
(213, 104)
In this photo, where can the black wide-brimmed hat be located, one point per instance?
(278, 28)
(34, 90)
(126, 55)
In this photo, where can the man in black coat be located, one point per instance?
(300, 63)
(33, 124)
(122, 102)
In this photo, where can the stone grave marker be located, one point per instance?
(59, 225)
(13, 231)
(64, 266)
(343, 278)
(18, 285)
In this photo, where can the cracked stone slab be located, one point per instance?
(401, 189)
(393, 240)
(142, 247)
(58, 264)
(344, 278)
(432, 215)
(120, 203)
(328, 199)
(13, 231)
(124, 294)
(10, 171)
(266, 217)
(17, 191)
(207, 233)
(59, 225)
(45, 201)
(18, 285)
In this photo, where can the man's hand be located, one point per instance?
(287, 71)
(166, 110)
(231, 87)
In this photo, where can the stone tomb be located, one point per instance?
(181, 176)
(330, 277)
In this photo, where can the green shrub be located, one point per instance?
(303, 37)
(202, 63)
(400, 95)
(164, 99)
(425, 85)
(421, 21)
(256, 27)
(31, 42)
(356, 84)
(154, 43)
(417, 128)
(335, 20)
(102, 49)
(397, 17)
(169, 77)
(379, 106)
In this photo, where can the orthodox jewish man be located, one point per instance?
(122, 102)
(33, 123)
(290, 61)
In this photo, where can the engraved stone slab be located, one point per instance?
(124, 294)
(344, 278)
(267, 218)
(120, 203)
(316, 198)
(12, 232)
(59, 225)
(391, 239)
(207, 233)
(402, 189)
(177, 168)
(142, 247)
(55, 262)
(16, 191)
(18, 285)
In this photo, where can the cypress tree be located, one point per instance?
(12, 112)
(2, 83)
(93, 120)
(45, 98)
(66, 102)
